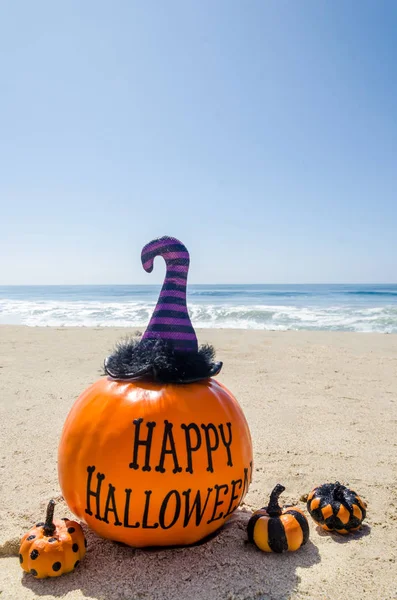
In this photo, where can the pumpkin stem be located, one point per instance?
(337, 493)
(274, 509)
(49, 526)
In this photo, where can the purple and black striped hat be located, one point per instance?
(170, 320)
(168, 350)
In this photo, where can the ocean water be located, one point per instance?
(361, 308)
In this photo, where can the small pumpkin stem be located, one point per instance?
(337, 493)
(49, 526)
(274, 510)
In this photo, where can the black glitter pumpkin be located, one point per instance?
(336, 508)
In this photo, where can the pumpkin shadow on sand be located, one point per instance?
(225, 566)
(345, 539)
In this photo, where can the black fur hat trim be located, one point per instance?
(157, 360)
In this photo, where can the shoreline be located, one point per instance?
(321, 406)
(205, 330)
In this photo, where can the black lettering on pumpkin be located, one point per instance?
(147, 443)
(210, 447)
(196, 506)
(218, 502)
(110, 506)
(234, 497)
(164, 506)
(247, 480)
(145, 524)
(127, 510)
(189, 447)
(227, 443)
(168, 437)
(100, 477)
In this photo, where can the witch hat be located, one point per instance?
(168, 351)
(170, 320)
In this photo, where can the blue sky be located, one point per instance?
(263, 134)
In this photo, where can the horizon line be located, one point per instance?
(191, 284)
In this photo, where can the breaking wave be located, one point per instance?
(96, 313)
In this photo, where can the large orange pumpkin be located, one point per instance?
(151, 464)
(152, 460)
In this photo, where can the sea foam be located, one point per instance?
(271, 317)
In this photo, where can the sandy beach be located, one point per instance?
(321, 406)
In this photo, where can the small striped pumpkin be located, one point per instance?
(336, 508)
(276, 529)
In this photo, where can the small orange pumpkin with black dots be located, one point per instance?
(52, 548)
(336, 508)
(276, 529)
